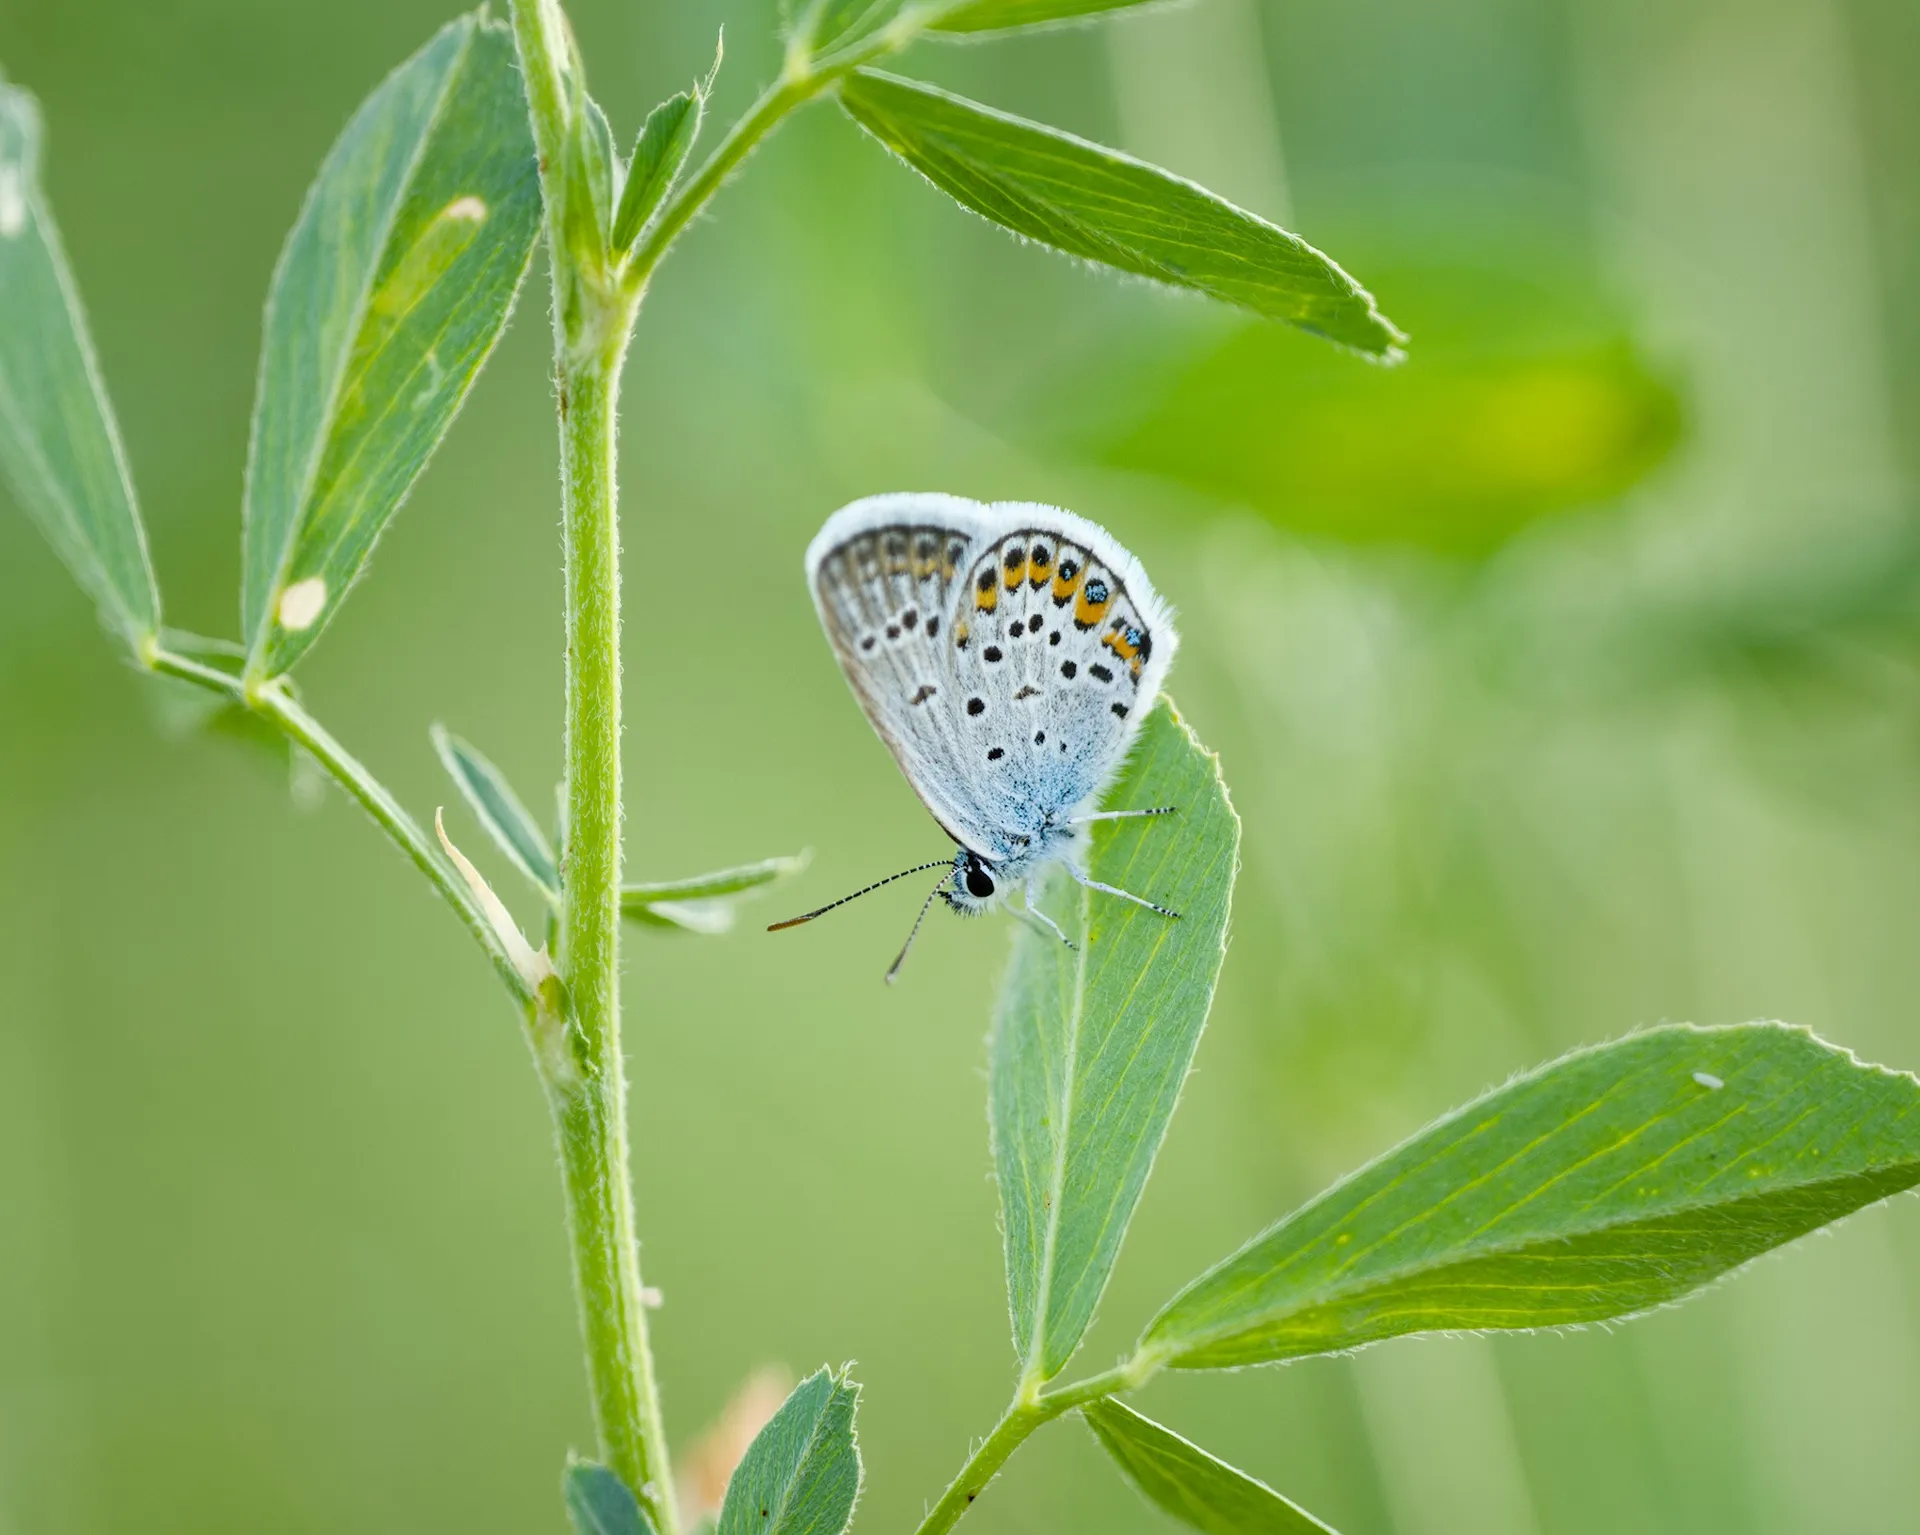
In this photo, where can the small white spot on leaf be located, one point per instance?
(651, 1297)
(302, 603)
(1709, 1081)
(468, 207)
(13, 201)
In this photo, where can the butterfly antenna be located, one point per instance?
(893, 971)
(919, 868)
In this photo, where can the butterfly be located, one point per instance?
(1006, 653)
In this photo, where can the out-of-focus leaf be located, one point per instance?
(1102, 206)
(393, 287)
(1612, 1181)
(704, 903)
(1006, 15)
(1459, 452)
(500, 810)
(1532, 399)
(801, 1475)
(59, 448)
(1091, 1045)
(1196, 1488)
(599, 1503)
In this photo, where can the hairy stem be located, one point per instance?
(586, 1078)
(1028, 1412)
(590, 1108)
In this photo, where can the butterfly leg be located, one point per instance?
(1125, 895)
(1036, 918)
(1124, 815)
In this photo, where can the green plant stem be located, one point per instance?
(274, 703)
(590, 1109)
(586, 1079)
(1028, 1412)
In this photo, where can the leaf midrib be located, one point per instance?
(1056, 1188)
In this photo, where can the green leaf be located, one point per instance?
(602, 167)
(1190, 1484)
(499, 809)
(1103, 206)
(666, 138)
(1612, 1181)
(393, 287)
(658, 155)
(827, 25)
(801, 1475)
(59, 448)
(599, 1503)
(1090, 1046)
(702, 904)
(1006, 15)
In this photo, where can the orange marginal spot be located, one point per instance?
(1016, 570)
(1116, 641)
(986, 591)
(960, 632)
(1086, 614)
(1067, 577)
(1037, 563)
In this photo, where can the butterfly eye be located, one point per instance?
(979, 883)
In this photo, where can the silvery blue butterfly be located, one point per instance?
(1006, 654)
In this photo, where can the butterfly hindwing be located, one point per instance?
(1053, 655)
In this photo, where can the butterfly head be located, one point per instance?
(974, 886)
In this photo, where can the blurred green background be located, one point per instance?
(1565, 678)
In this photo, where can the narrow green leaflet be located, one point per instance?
(499, 809)
(658, 154)
(801, 1474)
(1195, 1487)
(1614, 1180)
(599, 1503)
(1103, 206)
(599, 169)
(59, 449)
(1005, 15)
(393, 287)
(703, 904)
(1090, 1045)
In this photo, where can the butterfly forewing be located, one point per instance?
(1004, 653)
(885, 591)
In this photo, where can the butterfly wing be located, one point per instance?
(1063, 643)
(884, 572)
(1006, 654)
